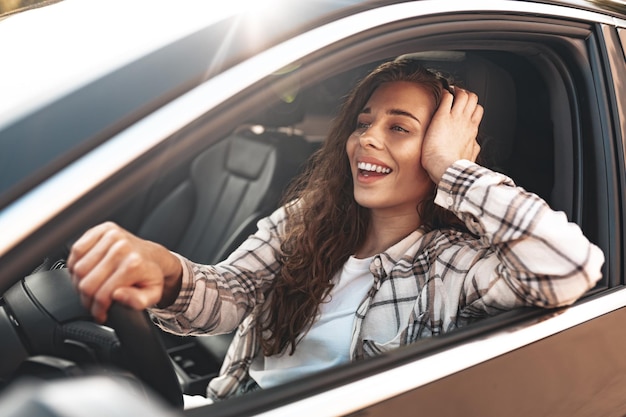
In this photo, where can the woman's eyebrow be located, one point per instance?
(400, 112)
(393, 112)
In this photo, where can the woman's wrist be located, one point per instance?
(436, 169)
(172, 279)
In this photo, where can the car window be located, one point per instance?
(56, 130)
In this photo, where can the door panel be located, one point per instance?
(578, 372)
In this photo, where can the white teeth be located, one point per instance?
(373, 168)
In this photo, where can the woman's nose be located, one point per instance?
(369, 137)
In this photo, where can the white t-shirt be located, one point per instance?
(327, 343)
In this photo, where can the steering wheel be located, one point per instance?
(45, 309)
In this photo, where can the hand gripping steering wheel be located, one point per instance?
(46, 311)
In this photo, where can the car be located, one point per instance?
(185, 124)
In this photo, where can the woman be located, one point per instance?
(393, 234)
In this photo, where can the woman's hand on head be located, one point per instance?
(110, 264)
(452, 132)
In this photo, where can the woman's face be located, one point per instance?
(385, 149)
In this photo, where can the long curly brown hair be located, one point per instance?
(327, 226)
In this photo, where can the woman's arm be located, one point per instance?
(214, 299)
(543, 259)
(110, 264)
(532, 254)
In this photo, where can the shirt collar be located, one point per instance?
(390, 257)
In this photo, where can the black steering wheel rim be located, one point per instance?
(45, 309)
(145, 350)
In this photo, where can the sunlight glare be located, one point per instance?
(57, 48)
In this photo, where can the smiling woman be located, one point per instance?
(386, 123)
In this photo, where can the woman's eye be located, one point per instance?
(361, 127)
(399, 129)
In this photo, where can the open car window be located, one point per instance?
(200, 187)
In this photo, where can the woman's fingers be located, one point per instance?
(84, 245)
(138, 283)
(95, 265)
(452, 132)
(466, 115)
(138, 298)
(99, 286)
(106, 260)
(477, 114)
(445, 105)
(465, 102)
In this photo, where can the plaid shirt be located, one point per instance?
(521, 253)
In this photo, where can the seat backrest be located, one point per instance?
(230, 186)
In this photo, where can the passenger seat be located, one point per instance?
(230, 186)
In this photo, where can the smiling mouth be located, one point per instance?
(367, 169)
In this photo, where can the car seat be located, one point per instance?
(229, 187)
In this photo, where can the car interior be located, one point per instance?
(249, 169)
(205, 206)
